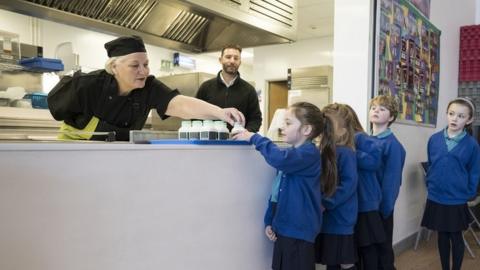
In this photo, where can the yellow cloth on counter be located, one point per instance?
(68, 132)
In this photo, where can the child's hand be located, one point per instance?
(243, 136)
(270, 233)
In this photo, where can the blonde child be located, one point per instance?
(383, 112)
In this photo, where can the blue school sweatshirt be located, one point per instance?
(369, 157)
(341, 208)
(298, 213)
(390, 173)
(452, 176)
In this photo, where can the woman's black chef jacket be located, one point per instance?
(77, 99)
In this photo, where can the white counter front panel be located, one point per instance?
(133, 207)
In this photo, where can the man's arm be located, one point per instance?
(253, 116)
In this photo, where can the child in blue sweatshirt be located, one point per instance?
(452, 179)
(383, 112)
(369, 231)
(294, 215)
(335, 246)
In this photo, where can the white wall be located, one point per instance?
(448, 18)
(351, 57)
(16, 23)
(89, 44)
(477, 11)
(271, 63)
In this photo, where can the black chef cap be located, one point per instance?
(125, 45)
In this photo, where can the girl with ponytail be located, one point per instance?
(335, 245)
(304, 171)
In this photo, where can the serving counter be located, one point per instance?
(129, 206)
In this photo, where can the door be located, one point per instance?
(277, 97)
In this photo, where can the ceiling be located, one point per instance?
(315, 19)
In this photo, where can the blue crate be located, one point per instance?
(201, 142)
(39, 100)
(42, 64)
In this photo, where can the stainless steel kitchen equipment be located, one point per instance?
(311, 84)
(30, 124)
(142, 136)
(29, 51)
(9, 47)
(31, 81)
(187, 84)
(184, 25)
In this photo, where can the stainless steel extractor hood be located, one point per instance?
(184, 25)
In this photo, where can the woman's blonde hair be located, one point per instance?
(109, 64)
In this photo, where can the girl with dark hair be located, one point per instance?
(294, 215)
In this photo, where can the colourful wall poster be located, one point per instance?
(423, 6)
(407, 61)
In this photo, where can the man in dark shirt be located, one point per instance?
(229, 90)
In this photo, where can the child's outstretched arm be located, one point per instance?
(288, 160)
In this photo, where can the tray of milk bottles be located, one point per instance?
(205, 132)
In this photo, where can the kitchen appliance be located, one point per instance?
(29, 51)
(274, 132)
(310, 84)
(184, 25)
(187, 84)
(9, 51)
(9, 47)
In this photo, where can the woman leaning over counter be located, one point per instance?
(119, 97)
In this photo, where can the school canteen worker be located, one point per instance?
(119, 97)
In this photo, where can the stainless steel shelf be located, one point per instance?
(10, 67)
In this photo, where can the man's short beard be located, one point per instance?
(225, 69)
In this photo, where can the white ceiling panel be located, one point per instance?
(315, 18)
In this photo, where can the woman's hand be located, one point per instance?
(232, 115)
(243, 136)
(270, 233)
(190, 108)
